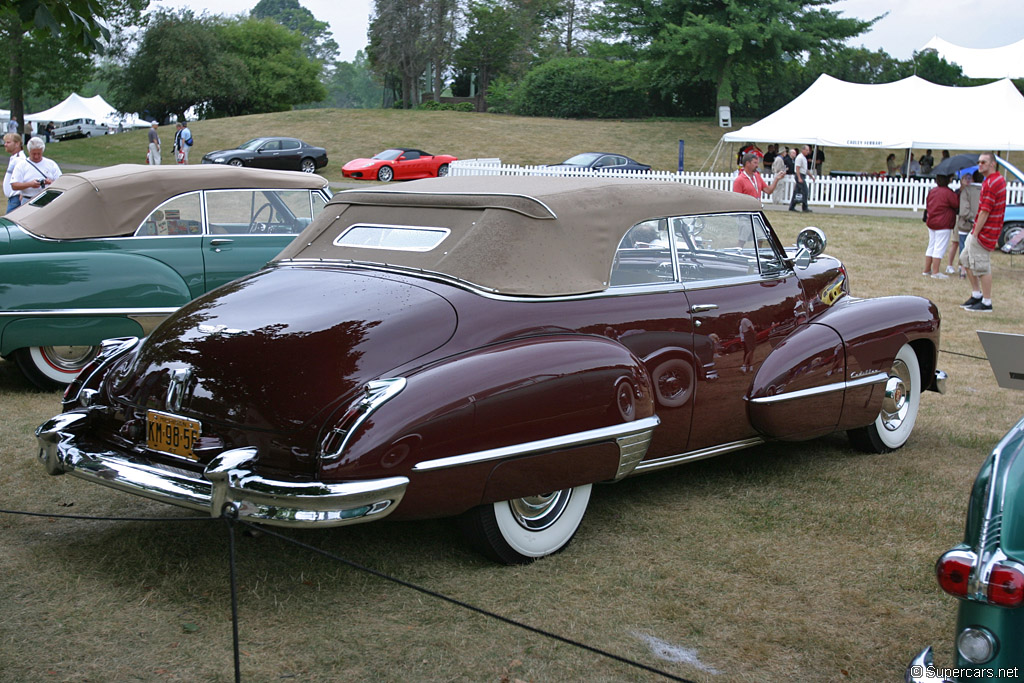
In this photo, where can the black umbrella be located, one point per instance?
(955, 164)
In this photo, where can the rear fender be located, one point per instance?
(82, 298)
(506, 396)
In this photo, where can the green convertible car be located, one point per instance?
(114, 251)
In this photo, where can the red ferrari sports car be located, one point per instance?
(399, 163)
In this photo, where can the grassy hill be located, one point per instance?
(352, 133)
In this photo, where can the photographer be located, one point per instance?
(35, 172)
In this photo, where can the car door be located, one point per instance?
(743, 299)
(173, 234)
(290, 156)
(247, 228)
(268, 155)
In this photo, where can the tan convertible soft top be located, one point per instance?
(537, 236)
(113, 201)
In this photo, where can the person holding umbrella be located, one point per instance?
(984, 236)
(969, 193)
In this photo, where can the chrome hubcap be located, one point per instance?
(535, 513)
(896, 403)
(68, 358)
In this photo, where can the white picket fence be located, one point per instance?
(831, 191)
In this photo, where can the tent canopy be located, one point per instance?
(76, 107)
(995, 62)
(908, 114)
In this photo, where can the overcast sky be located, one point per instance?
(909, 25)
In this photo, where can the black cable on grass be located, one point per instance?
(963, 355)
(231, 522)
(110, 519)
(465, 605)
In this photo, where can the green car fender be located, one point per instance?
(83, 298)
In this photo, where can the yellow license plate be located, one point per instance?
(172, 434)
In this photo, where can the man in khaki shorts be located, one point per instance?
(976, 256)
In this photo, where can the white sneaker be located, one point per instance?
(939, 276)
(949, 270)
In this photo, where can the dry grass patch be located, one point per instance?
(804, 562)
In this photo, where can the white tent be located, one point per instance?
(908, 114)
(995, 62)
(76, 107)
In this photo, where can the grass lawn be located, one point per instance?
(353, 133)
(786, 562)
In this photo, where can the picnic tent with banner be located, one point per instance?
(908, 114)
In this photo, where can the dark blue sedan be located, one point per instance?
(603, 161)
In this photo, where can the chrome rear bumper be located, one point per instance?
(922, 669)
(227, 484)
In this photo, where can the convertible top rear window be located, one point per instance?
(401, 238)
(46, 197)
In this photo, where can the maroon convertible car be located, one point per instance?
(489, 348)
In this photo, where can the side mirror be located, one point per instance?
(810, 244)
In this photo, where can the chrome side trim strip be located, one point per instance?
(672, 460)
(621, 434)
(375, 394)
(876, 378)
(42, 312)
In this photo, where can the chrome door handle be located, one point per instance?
(220, 242)
(702, 308)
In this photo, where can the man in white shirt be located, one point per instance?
(12, 143)
(34, 173)
(800, 175)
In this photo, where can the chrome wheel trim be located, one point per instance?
(308, 166)
(385, 174)
(896, 403)
(235, 162)
(61, 363)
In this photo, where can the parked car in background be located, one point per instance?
(79, 128)
(284, 154)
(489, 348)
(112, 252)
(1011, 240)
(602, 161)
(400, 163)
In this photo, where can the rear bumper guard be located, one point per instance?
(227, 485)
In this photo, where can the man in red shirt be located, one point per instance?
(749, 180)
(976, 256)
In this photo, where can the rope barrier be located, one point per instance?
(231, 522)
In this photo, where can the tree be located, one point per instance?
(398, 44)
(181, 62)
(492, 41)
(931, 67)
(351, 86)
(55, 39)
(317, 42)
(277, 72)
(440, 40)
(723, 42)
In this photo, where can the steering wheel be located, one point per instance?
(255, 225)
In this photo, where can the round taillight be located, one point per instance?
(1006, 586)
(954, 572)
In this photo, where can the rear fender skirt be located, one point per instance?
(497, 399)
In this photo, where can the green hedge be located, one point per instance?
(580, 87)
(431, 105)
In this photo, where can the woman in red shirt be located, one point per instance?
(940, 213)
